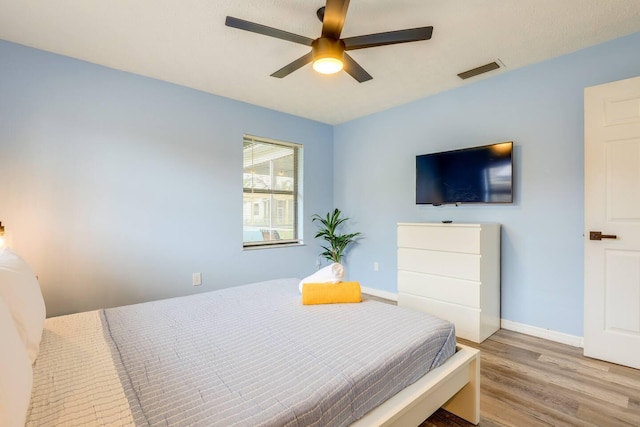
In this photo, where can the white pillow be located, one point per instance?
(21, 292)
(16, 376)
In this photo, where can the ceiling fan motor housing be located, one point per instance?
(325, 47)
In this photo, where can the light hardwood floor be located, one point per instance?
(529, 381)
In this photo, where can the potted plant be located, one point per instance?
(337, 243)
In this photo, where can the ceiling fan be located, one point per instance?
(328, 52)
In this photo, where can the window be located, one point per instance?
(270, 192)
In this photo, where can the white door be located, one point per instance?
(612, 208)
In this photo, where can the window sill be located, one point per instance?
(284, 245)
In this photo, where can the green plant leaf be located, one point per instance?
(337, 243)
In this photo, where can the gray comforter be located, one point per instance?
(254, 355)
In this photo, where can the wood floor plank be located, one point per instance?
(507, 413)
(529, 381)
(552, 376)
(625, 370)
(606, 418)
(534, 394)
(608, 379)
(570, 362)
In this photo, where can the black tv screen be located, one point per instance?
(471, 175)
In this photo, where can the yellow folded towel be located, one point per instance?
(329, 293)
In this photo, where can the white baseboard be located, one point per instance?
(380, 294)
(547, 334)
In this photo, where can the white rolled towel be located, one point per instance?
(333, 273)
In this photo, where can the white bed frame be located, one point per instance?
(454, 386)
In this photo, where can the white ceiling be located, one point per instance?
(186, 42)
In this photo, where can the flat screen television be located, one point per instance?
(471, 175)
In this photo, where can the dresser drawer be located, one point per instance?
(453, 272)
(451, 264)
(457, 291)
(466, 319)
(443, 237)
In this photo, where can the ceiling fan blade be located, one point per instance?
(290, 68)
(391, 37)
(355, 70)
(334, 14)
(241, 24)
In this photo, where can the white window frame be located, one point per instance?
(296, 192)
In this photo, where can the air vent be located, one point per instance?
(480, 70)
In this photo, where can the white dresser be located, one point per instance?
(452, 271)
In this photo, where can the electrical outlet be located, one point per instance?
(196, 279)
(376, 266)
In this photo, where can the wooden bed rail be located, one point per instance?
(454, 386)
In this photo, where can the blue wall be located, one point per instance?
(540, 108)
(116, 188)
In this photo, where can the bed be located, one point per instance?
(250, 355)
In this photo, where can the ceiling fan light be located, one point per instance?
(327, 65)
(327, 55)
